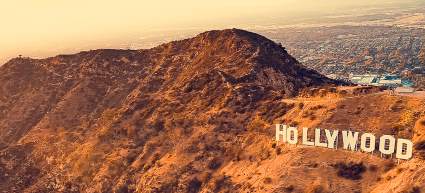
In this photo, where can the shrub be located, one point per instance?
(214, 164)
(373, 168)
(351, 170)
(312, 165)
(414, 189)
(294, 123)
(264, 154)
(317, 107)
(267, 180)
(420, 148)
(420, 145)
(289, 188)
(300, 105)
(278, 151)
(122, 189)
(343, 92)
(194, 186)
(221, 184)
(274, 145)
(388, 166)
(315, 189)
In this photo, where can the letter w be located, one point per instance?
(350, 140)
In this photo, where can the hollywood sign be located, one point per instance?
(388, 144)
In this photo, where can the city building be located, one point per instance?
(403, 89)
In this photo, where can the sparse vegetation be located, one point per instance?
(278, 151)
(315, 189)
(407, 119)
(264, 153)
(194, 185)
(317, 107)
(300, 105)
(373, 168)
(414, 189)
(343, 92)
(358, 110)
(420, 148)
(215, 163)
(257, 124)
(289, 188)
(312, 165)
(267, 180)
(309, 114)
(388, 166)
(294, 123)
(350, 170)
(222, 183)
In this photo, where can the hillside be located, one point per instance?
(193, 115)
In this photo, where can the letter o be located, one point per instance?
(364, 138)
(383, 142)
(292, 135)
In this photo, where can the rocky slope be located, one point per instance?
(188, 116)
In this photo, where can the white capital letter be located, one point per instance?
(305, 137)
(404, 149)
(350, 140)
(331, 138)
(386, 144)
(367, 142)
(281, 131)
(317, 137)
(292, 135)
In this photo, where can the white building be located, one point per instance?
(404, 90)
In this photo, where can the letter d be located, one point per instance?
(404, 149)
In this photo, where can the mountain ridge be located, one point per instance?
(193, 115)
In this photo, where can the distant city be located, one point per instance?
(367, 55)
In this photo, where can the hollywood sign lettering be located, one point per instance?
(388, 145)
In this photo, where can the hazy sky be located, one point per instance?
(40, 28)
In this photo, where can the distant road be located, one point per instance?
(418, 94)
